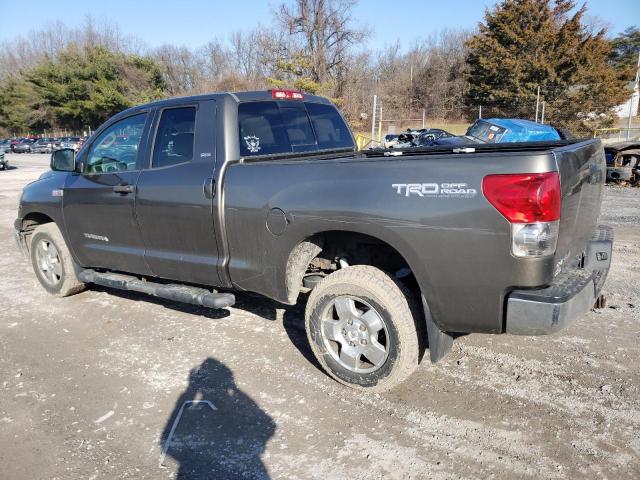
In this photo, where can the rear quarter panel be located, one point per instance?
(457, 246)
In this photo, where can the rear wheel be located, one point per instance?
(361, 325)
(52, 262)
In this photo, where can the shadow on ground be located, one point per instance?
(292, 320)
(225, 443)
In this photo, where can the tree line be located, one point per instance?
(76, 78)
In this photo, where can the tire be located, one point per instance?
(55, 269)
(354, 355)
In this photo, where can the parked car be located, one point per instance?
(623, 162)
(5, 146)
(4, 163)
(43, 145)
(24, 146)
(70, 142)
(265, 192)
(16, 141)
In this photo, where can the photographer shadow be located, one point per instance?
(215, 429)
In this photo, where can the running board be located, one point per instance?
(175, 292)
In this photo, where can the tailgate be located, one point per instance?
(582, 171)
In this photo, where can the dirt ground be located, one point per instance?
(91, 384)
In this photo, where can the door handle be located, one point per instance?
(209, 187)
(124, 189)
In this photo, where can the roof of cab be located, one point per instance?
(239, 97)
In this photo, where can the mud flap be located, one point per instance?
(440, 342)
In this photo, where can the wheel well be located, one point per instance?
(29, 223)
(320, 255)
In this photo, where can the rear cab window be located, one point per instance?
(271, 127)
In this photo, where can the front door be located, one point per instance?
(98, 203)
(174, 203)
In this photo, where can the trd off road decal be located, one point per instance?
(440, 190)
(253, 143)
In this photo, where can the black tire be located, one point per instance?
(58, 277)
(370, 289)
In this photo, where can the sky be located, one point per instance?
(193, 23)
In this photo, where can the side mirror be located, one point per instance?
(63, 160)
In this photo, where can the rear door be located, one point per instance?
(175, 190)
(98, 204)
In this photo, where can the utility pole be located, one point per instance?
(380, 126)
(411, 88)
(373, 116)
(480, 112)
(424, 112)
(633, 94)
(537, 103)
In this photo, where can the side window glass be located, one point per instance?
(116, 149)
(329, 126)
(261, 129)
(298, 127)
(175, 137)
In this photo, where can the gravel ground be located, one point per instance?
(91, 384)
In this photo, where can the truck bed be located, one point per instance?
(457, 244)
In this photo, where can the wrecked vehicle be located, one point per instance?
(504, 130)
(415, 138)
(623, 162)
(265, 192)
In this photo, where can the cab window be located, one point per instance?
(116, 148)
(262, 131)
(329, 126)
(175, 137)
(270, 127)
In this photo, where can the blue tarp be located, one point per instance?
(524, 130)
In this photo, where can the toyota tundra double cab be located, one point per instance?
(193, 199)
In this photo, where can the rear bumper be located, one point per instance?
(569, 297)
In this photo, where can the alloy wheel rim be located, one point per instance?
(355, 334)
(48, 260)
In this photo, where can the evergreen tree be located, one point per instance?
(87, 86)
(625, 48)
(20, 107)
(80, 87)
(526, 44)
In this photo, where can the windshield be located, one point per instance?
(486, 132)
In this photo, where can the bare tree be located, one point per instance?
(324, 31)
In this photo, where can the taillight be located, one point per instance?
(286, 95)
(531, 202)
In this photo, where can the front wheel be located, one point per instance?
(52, 262)
(361, 324)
